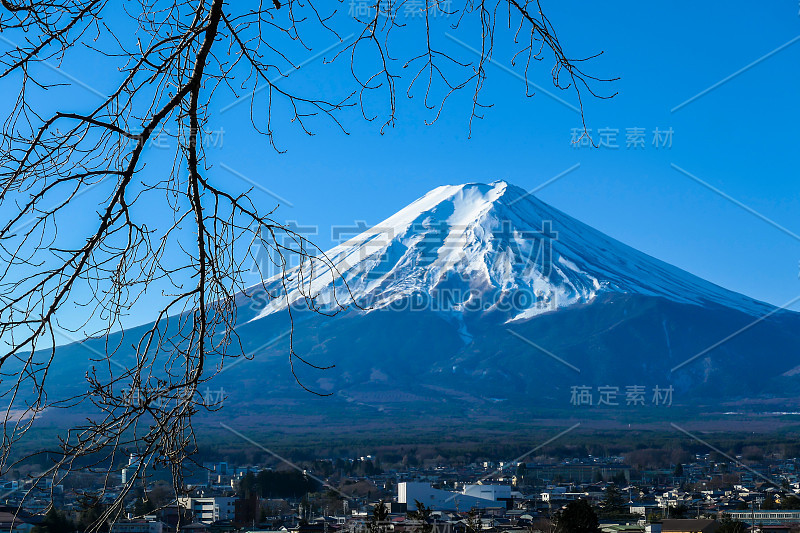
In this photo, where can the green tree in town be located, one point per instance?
(769, 502)
(422, 515)
(91, 515)
(55, 522)
(380, 518)
(247, 485)
(577, 517)
(679, 511)
(143, 504)
(284, 484)
(613, 503)
(619, 478)
(790, 501)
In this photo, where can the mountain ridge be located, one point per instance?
(496, 238)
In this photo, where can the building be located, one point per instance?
(495, 493)
(130, 470)
(471, 497)
(218, 468)
(210, 509)
(768, 518)
(578, 473)
(643, 508)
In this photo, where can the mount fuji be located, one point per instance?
(490, 243)
(479, 303)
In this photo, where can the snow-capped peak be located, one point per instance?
(493, 248)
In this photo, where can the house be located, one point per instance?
(643, 508)
(210, 509)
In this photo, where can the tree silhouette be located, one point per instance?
(769, 502)
(421, 515)
(613, 503)
(54, 522)
(379, 520)
(577, 517)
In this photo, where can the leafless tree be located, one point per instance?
(174, 59)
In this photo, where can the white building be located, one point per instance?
(130, 470)
(766, 517)
(488, 492)
(471, 497)
(211, 509)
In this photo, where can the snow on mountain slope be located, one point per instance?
(493, 248)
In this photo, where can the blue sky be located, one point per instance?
(739, 138)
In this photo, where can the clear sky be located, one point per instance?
(719, 80)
